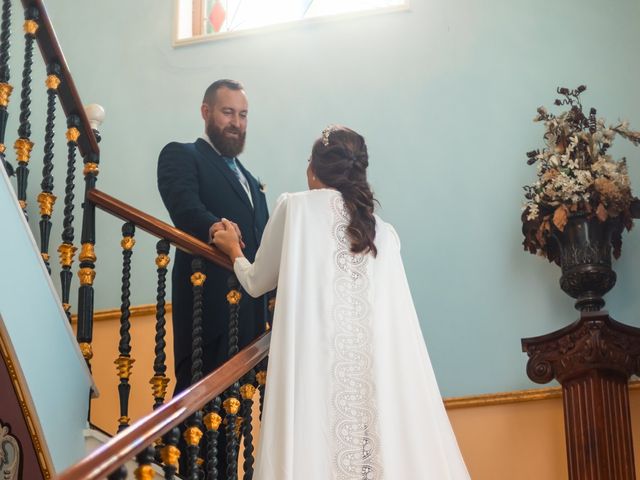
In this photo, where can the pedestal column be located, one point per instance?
(592, 359)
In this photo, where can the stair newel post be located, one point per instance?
(46, 198)
(193, 433)
(232, 402)
(125, 361)
(247, 391)
(67, 250)
(5, 86)
(87, 271)
(23, 144)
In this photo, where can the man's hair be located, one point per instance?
(210, 92)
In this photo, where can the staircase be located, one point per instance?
(36, 320)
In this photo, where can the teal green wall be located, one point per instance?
(444, 93)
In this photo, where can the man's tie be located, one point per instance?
(231, 163)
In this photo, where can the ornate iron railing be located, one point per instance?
(164, 420)
(219, 403)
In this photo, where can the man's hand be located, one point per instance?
(227, 240)
(219, 226)
(271, 305)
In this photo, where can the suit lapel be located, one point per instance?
(218, 162)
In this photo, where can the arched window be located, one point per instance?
(199, 19)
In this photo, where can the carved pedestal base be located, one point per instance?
(593, 360)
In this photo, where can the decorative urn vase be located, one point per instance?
(585, 259)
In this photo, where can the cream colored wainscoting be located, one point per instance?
(504, 436)
(519, 435)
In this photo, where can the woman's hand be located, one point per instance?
(228, 240)
(220, 226)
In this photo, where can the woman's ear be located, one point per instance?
(310, 177)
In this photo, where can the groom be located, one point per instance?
(200, 183)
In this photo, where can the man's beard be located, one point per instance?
(228, 146)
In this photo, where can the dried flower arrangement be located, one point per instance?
(576, 176)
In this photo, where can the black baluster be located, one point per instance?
(170, 454)
(247, 391)
(87, 271)
(160, 381)
(233, 298)
(212, 421)
(197, 280)
(261, 380)
(192, 436)
(23, 144)
(46, 199)
(124, 361)
(261, 368)
(5, 87)
(232, 403)
(119, 474)
(231, 407)
(66, 249)
(144, 459)
(193, 433)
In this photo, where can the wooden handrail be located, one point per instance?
(145, 431)
(160, 229)
(67, 92)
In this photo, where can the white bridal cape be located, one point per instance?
(350, 392)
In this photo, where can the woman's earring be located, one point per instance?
(313, 178)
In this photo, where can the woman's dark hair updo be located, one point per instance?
(339, 159)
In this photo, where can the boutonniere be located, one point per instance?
(263, 186)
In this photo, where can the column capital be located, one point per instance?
(594, 342)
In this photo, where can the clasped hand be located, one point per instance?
(226, 235)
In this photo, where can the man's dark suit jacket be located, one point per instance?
(198, 189)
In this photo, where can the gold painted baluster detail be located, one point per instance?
(192, 436)
(86, 274)
(144, 459)
(124, 361)
(159, 381)
(212, 421)
(193, 433)
(23, 145)
(46, 198)
(247, 391)
(67, 250)
(261, 380)
(5, 87)
(170, 453)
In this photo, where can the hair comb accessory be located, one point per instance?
(326, 132)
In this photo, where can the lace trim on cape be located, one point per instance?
(357, 451)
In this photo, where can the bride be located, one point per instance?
(351, 394)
